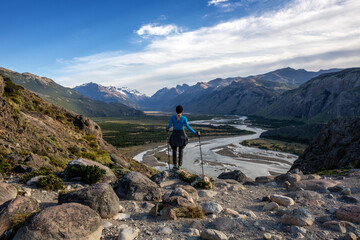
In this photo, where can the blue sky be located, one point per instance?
(148, 45)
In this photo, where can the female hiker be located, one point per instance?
(178, 138)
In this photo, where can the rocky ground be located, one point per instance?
(292, 206)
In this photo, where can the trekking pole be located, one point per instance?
(168, 151)
(202, 162)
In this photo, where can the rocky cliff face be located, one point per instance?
(323, 98)
(336, 146)
(29, 126)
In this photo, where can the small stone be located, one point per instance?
(242, 216)
(33, 181)
(128, 233)
(346, 191)
(169, 214)
(264, 179)
(211, 208)
(271, 206)
(211, 234)
(267, 236)
(165, 230)
(193, 232)
(351, 236)
(121, 216)
(230, 212)
(336, 226)
(207, 193)
(250, 213)
(297, 229)
(282, 200)
(313, 177)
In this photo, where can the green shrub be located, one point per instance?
(18, 219)
(50, 182)
(42, 171)
(203, 184)
(189, 212)
(5, 166)
(88, 174)
(187, 177)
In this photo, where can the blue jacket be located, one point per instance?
(179, 125)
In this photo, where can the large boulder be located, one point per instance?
(7, 192)
(108, 177)
(99, 197)
(14, 208)
(336, 146)
(136, 186)
(298, 217)
(65, 221)
(236, 175)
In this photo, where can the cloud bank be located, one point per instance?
(304, 34)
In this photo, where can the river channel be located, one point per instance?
(226, 154)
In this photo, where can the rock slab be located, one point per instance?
(99, 197)
(7, 192)
(19, 205)
(349, 213)
(298, 217)
(136, 186)
(65, 221)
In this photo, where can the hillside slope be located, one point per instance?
(323, 98)
(51, 135)
(66, 97)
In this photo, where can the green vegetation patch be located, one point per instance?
(50, 183)
(187, 177)
(88, 174)
(136, 131)
(333, 172)
(203, 184)
(42, 171)
(269, 144)
(189, 212)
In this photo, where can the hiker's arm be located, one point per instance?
(169, 126)
(188, 127)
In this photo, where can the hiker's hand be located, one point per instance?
(198, 133)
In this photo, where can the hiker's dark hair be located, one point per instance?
(179, 109)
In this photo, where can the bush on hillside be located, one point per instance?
(51, 183)
(88, 174)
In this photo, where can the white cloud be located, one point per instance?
(156, 30)
(216, 2)
(305, 34)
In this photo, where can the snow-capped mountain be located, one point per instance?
(111, 94)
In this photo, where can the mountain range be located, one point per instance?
(66, 97)
(238, 95)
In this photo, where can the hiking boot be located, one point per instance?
(176, 167)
